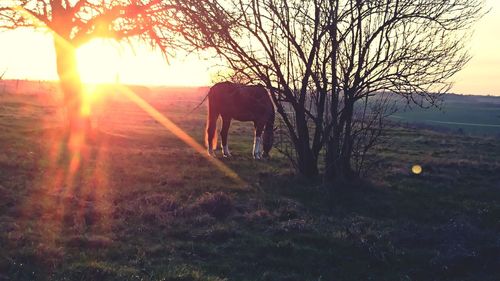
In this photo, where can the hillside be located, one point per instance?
(476, 115)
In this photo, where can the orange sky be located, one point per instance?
(28, 55)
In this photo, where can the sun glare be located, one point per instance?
(106, 61)
(98, 62)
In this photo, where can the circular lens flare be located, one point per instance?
(416, 169)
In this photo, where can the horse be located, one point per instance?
(243, 103)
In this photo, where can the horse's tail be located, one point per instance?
(210, 135)
(268, 137)
(198, 106)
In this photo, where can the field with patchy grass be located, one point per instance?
(136, 203)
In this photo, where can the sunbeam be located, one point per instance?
(178, 132)
(77, 140)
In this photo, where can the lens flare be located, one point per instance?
(416, 169)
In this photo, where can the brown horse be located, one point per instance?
(242, 103)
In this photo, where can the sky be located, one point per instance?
(482, 74)
(25, 54)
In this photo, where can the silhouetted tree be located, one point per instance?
(74, 23)
(330, 64)
(278, 44)
(410, 48)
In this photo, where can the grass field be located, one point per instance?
(143, 205)
(471, 115)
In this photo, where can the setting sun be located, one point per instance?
(106, 61)
(98, 62)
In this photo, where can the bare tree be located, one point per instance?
(407, 47)
(75, 22)
(275, 43)
(330, 63)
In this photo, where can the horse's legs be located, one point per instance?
(226, 122)
(211, 126)
(257, 143)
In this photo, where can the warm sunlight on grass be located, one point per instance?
(182, 135)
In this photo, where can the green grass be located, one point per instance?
(144, 206)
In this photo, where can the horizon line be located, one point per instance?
(188, 86)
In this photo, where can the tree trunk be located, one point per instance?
(77, 119)
(333, 139)
(346, 171)
(338, 159)
(308, 165)
(307, 162)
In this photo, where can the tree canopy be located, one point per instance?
(79, 21)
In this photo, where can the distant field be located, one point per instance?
(139, 204)
(477, 115)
